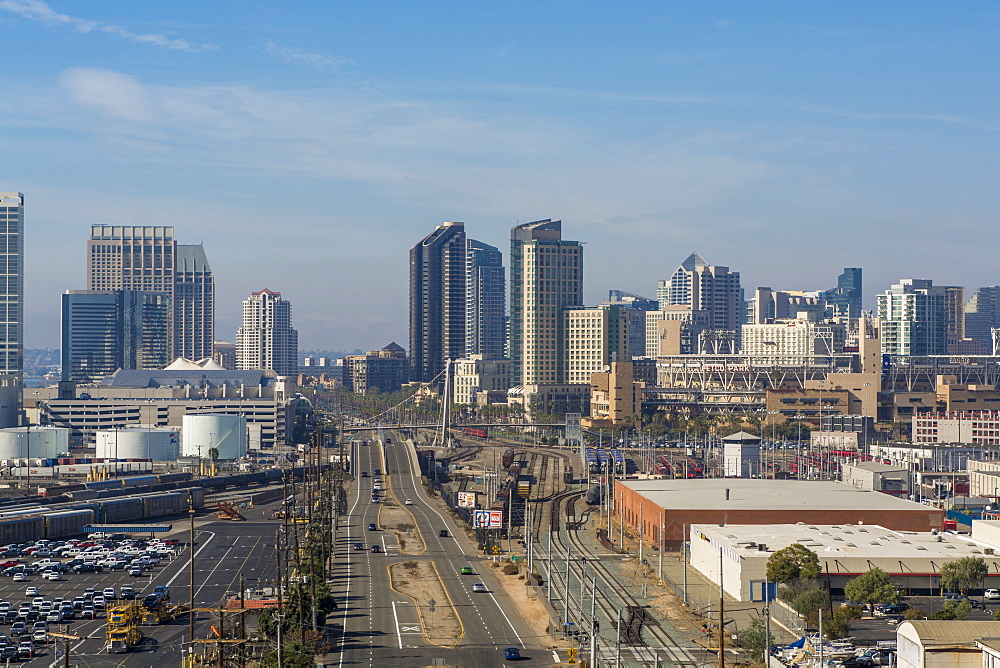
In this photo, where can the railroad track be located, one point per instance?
(639, 629)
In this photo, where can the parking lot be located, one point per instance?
(72, 594)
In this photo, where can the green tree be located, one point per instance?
(872, 587)
(840, 625)
(964, 573)
(809, 603)
(754, 639)
(795, 562)
(953, 610)
(213, 454)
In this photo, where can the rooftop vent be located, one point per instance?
(921, 547)
(849, 545)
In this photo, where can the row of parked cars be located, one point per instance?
(87, 556)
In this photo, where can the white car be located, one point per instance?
(52, 576)
(992, 594)
(409, 503)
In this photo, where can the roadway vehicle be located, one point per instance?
(162, 591)
(110, 594)
(992, 594)
(479, 588)
(378, 471)
(443, 533)
(127, 592)
(364, 474)
(135, 571)
(408, 503)
(376, 548)
(372, 527)
(511, 653)
(467, 570)
(891, 609)
(31, 591)
(375, 498)
(8, 653)
(20, 577)
(26, 650)
(52, 576)
(359, 546)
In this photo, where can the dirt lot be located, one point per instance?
(420, 581)
(531, 608)
(396, 518)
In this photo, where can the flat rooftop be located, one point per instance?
(844, 541)
(762, 494)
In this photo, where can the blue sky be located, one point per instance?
(308, 145)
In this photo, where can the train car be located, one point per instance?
(478, 433)
(171, 503)
(110, 493)
(594, 495)
(524, 489)
(124, 509)
(619, 460)
(21, 529)
(140, 481)
(508, 457)
(198, 496)
(274, 475)
(67, 522)
(174, 477)
(103, 484)
(82, 494)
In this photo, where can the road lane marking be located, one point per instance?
(399, 635)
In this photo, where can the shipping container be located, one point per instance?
(21, 529)
(67, 522)
(120, 510)
(171, 503)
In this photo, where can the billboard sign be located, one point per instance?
(466, 499)
(488, 519)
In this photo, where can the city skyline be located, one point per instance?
(807, 134)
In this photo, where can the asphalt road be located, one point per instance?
(380, 625)
(222, 550)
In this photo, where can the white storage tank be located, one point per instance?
(161, 444)
(228, 433)
(33, 442)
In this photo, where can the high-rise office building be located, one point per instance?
(595, 337)
(194, 303)
(103, 331)
(706, 287)
(982, 316)
(844, 301)
(636, 307)
(438, 301)
(913, 318)
(546, 278)
(266, 340)
(12, 284)
(486, 301)
(148, 259)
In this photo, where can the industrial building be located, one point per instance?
(669, 506)
(912, 559)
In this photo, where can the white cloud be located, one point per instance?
(318, 61)
(36, 10)
(118, 95)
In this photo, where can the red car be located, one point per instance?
(7, 564)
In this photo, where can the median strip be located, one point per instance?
(420, 581)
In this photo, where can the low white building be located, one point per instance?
(876, 477)
(912, 559)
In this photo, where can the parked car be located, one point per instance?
(992, 594)
(891, 609)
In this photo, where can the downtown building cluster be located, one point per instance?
(138, 342)
(703, 345)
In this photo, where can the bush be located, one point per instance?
(915, 613)
(953, 610)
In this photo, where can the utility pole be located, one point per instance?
(192, 613)
(722, 617)
(281, 605)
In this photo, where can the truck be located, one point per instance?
(122, 639)
(124, 615)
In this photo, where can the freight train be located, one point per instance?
(20, 525)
